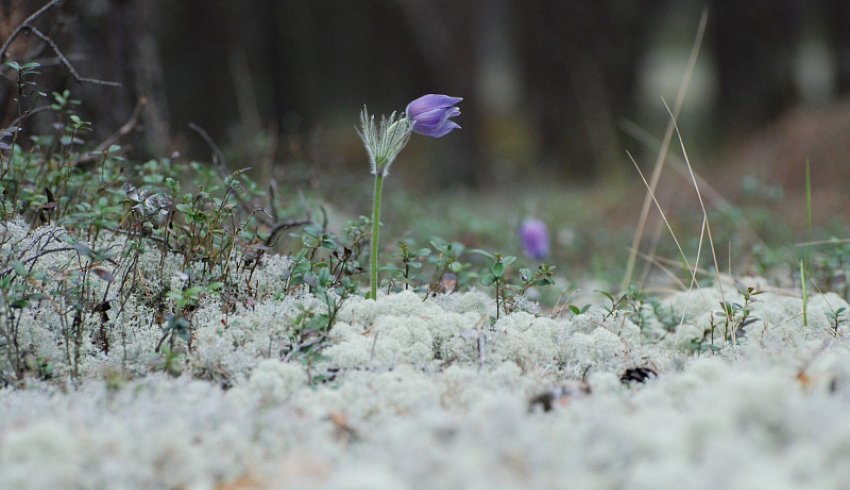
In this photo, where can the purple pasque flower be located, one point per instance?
(431, 114)
(535, 238)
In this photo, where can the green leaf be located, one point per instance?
(488, 279)
(391, 269)
(484, 253)
(19, 268)
(498, 270)
(544, 281)
(19, 304)
(607, 295)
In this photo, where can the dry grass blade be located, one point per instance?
(706, 225)
(659, 263)
(662, 154)
(651, 194)
(650, 254)
(831, 241)
(712, 195)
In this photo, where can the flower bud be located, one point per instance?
(430, 114)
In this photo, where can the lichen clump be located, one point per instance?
(413, 394)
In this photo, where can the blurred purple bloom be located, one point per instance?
(431, 114)
(535, 239)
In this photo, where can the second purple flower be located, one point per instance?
(535, 239)
(431, 114)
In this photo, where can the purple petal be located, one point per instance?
(440, 131)
(535, 239)
(430, 102)
(434, 117)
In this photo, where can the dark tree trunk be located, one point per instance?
(580, 61)
(754, 44)
(837, 16)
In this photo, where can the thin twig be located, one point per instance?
(276, 229)
(17, 121)
(37, 256)
(217, 155)
(124, 130)
(482, 350)
(55, 47)
(29, 20)
(372, 350)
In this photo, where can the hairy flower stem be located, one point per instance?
(376, 225)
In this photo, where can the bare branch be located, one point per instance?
(55, 47)
(26, 23)
(276, 229)
(31, 112)
(217, 154)
(126, 128)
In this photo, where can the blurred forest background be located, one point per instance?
(552, 88)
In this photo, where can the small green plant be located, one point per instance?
(186, 300)
(412, 261)
(329, 270)
(542, 276)
(198, 216)
(734, 318)
(495, 275)
(445, 259)
(706, 343)
(618, 303)
(837, 318)
(737, 316)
